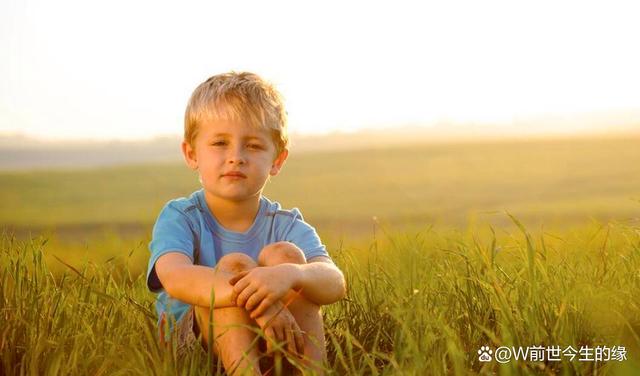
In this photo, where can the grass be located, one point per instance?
(420, 303)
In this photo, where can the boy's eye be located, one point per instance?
(218, 143)
(254, 146)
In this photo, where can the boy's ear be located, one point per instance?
(279, 162)
(189, 154)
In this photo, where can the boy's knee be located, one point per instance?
(280, 253)
(236, 262)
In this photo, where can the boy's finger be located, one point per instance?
(291, 342)
(269, 337)
(266, 303)
(242, 298)
(233, 297)
(237, 277)
(241, 284)
(237, 289)
(299, 338)
(282, 337)
(254, 300)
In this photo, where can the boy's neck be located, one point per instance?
(235, 216)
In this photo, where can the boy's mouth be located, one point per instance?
(234, 174)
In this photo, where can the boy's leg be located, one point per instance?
(307, 314)
(233, 341)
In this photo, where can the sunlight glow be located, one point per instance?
(74, 69)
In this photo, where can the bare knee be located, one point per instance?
(236, 262)
(280, 253)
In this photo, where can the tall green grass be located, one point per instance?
(419, 304)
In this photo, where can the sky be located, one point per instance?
(125, 69)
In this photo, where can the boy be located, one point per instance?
(264, 265)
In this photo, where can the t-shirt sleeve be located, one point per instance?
(172, 232)
(305, 237)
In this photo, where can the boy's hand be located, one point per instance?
(279, 325)
(260, 287)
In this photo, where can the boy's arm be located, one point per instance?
(319, 280)
(191, 283)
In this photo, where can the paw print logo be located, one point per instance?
(484, 354)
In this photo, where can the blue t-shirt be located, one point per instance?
(186, 225)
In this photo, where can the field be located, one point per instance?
(446, 247)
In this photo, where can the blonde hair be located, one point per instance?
(236, 96)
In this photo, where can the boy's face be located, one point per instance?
(233, 159)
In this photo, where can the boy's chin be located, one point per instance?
(235, 196)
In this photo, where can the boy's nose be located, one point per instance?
(236, 156)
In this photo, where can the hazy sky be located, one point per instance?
(125, 69)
